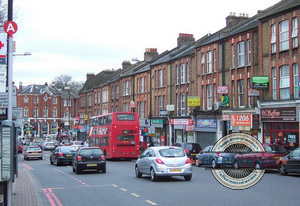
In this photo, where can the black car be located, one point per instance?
(62, 155)
(89, 158)
(290, 163)
(191, 149)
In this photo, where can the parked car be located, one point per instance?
(33, 152)
(48, 146)
(290, 163)
(215, 159)
(161, 161)
(19, 147)
(77, 144)
(267, 159)
(191, 149)
(89, 158)
(36, 144)
(62, 155)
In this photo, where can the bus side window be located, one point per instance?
(105, 141)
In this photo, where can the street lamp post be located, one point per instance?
(69, 108)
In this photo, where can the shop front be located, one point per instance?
(280, 126)
(206, 131)
(183, 130)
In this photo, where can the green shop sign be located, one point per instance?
(260, 82)
(158, 121)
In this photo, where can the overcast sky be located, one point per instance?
(76, 37)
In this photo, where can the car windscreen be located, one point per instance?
(172, 152)
(275, 149)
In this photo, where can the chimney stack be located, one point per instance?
(233, 20)
(89, 75)
(185, 39)
(125, 64)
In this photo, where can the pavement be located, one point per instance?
(25, 191)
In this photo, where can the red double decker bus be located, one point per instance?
(117, 134)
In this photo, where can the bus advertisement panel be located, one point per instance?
(117, 134)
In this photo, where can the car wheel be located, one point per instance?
(77, 170)
(153, 175)
(51, 161)
(197, 163)
(103, 169)
(257, 165)
(187, 177)
(73, 169)
(214, 164)
(57, 162)
(282, 169)
(235, 165)
(137, 172)
(24, 158)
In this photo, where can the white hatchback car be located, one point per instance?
(164, 161)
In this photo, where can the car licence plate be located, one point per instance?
(91, 165)
(176, 170)
(68, 155)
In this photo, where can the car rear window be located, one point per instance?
(172, 152)
(91, 152)
(34, 148)
(67, 149)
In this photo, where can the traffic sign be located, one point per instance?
(10, 27)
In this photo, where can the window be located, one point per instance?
(182, 97)
(249, 52)
(241, 92)
(177, 74)
(142, 85)
(45, 112)
(25, 99)
(160, 103)
(95, 97)
(142, 110)
(25, 112)
(215, 93)
(112, 93)
(202, 63)
(232, 56)
(187, 72)
(208, 62)
(233, 93)
(177, 104)
(208, 96)
(35, 112)
(284, 82)
(296, 80)
(182, 73)
(160, 78)
(273, 38)
(284, 35)
(241, 54)
(203, 99)
(99, 97)
(35, 100)
(295, 33)
(249, 87)
(215, 60)
(117, 92)
(274, 83)
(54, 100)
(54, 112)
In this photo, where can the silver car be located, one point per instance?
(164, 161)
(33, 152)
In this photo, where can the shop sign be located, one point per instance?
(189, 128)
(241, 120)
(193, 101)
(225, 101)
(278, 114)
(158, 121)
(181, 121)
(253, 93)
(206, 123)
(222, 90)
(225, 117)
(260, 82)
(255, 121)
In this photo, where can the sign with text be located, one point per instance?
(278, 114)
(241, 120)
(193, 101)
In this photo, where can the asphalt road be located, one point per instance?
(119, 186)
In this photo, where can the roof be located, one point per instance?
(279, 7)
(36, 89)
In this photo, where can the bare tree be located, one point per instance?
(65, 80)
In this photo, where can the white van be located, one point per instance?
(22, 139)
